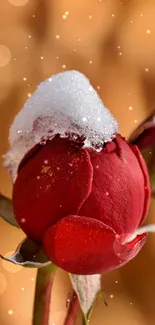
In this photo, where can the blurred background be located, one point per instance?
(113, 43)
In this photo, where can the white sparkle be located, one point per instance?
(23, 220)
(148, 31)
(33, 16)
(64, 16)
(24, 78)
(90, 62)
(57, 36)
(107, 193)
(32, 279)
(146, 69)
(23, 289)
(10, 312)
(120, 53)
(46, 162)
(130, 108)
(112, 15)
(84, 119)
(41, 57)
(67, 13)
(135, 121)
(25, 47)
(98, 87)
(90, 17)
(29, 36)
(79, 39)
(116, 281)
(64, 66)
(29, 95)
(112, 296)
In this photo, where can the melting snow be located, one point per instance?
(65, 103)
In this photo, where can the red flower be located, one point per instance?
(82, 205)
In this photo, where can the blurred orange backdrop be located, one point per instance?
(113, 43)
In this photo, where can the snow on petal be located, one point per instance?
(66, 104)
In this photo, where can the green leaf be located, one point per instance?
(101, 296)
(6, 210)
(144, 138)
(28, 254)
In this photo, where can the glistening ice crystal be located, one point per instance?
(66, 103)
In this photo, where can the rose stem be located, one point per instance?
(44, 283)
(85, 321)
(73, 310)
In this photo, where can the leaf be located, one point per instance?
(28, 254)
(6, 210)
(144, 138)
(101, 296)
(86, 288)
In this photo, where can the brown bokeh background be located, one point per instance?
(113, 43)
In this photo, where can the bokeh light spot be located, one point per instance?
(5, 55)
(18, 3)
(10, 312)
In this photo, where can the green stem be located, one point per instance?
(84, 320)
(73, 310)
(44, 283)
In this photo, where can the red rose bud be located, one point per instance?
(144, 138)
(83, 205)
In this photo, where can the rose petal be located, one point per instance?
(144, 135)
(28, 254)
(87, 246)
(144, 138)
(147, 189)
(52, 183)
(117, 197)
